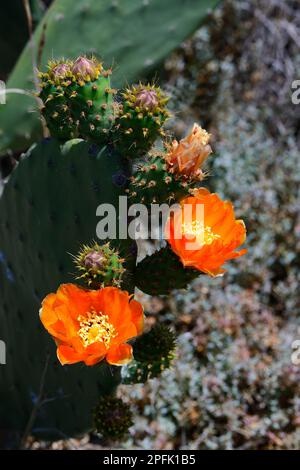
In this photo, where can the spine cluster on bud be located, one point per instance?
(99, 266)
(154, 183)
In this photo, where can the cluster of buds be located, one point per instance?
(64, 72)
(77, 99)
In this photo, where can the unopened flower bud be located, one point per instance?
(147, 99)
(84, 67)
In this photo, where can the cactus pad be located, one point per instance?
(88, 26)
(48, 209)
(160, 273)
(154, 183)
(153, 352)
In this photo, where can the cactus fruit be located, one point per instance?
(112, 418)
(141, 116)
(99, 266)
(164, 272)
(77, 99)
(153, 353)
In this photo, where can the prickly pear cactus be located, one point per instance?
(154, 352)
(83, 288)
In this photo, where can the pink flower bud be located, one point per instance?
(83, 66)
(61, 70)
(147, 99)
(94, 261)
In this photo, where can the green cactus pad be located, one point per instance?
(153, 353)
(159, 342)
(48, 210)
(153, 183)
(160, 273)
(138, 372)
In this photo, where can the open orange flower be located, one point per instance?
(91, 325)
(187, 156)
(204, 233)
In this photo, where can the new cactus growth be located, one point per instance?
(99, 266)
(72, 30)
(153, 353)
(77, 99)
(165, 272)
(141, 116)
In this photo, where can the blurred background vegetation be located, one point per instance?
(232, 385)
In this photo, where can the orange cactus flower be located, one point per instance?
(187, 156)
(204, 233)
(92, 325)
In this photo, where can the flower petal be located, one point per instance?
(120, 355)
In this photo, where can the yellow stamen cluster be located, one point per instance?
(197, 229)
(96, 327)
